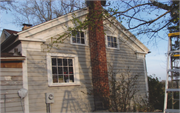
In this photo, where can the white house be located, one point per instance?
(65, 69)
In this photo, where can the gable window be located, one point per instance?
(112, 42)
(78, 37)
(62, 69)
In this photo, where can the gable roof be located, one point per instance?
(11, 31)
(26, 35)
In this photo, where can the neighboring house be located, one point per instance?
(6, 33)
(65, 69)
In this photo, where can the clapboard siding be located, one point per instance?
(59, 98)
(58, 94)
(9, 96)
(66, 105)
(11, 82)
(10, 100)
(123, 59)
(120, 59)
(9, 91)
(13, 73)
(13, 109)
(12, 104)
(38, 82)
(68, 51)
(11, 78)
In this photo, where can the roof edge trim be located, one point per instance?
(86, 8)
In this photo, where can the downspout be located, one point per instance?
(146, 78)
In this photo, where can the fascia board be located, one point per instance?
(56, 21)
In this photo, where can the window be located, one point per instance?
(112, 42)
(62, 69)
(78, 37)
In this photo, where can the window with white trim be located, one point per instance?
(112, 42)
(62, 69)
(78, 37)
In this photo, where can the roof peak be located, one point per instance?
(11, 31)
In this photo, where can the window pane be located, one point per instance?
(78, 34)
(60, 70)
(82, 34)
(59, 62)
(74, 39)
(64, 62)
(60, 78)
(53, 61)
(108, 38)
(70, 70)
(109, 44)
(55, 80)
(82, 40)
(115, 45)
(66, 78)
(112, 44)
(73, 33)
(111, 39)
(114, 39)
(71, 78)
(78, 40)
(54, 70)
(65, 70)
(70, 62)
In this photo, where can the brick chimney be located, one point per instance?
(26, 26)
(98, 56)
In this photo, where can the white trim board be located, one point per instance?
(75, 66)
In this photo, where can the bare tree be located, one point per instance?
(39, 11)
(123, 89)
(146, 16)
(4, 4)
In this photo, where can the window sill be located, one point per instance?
(64, 84)
(79, 44)
(112, 48)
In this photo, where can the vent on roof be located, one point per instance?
(26, 26)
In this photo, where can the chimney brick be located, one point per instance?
(98, 53)
(26, 26)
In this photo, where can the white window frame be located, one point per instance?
(75, 69)
(106, 41)
(85, 39)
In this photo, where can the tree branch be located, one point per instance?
(160, 5)
(149, 22)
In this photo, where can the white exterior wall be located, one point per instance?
(70, 98)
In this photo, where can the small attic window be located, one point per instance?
(112, 42)
(78, 38)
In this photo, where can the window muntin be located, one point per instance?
(71, 68)
(62, 70)
(112, 42)
(78, 37)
